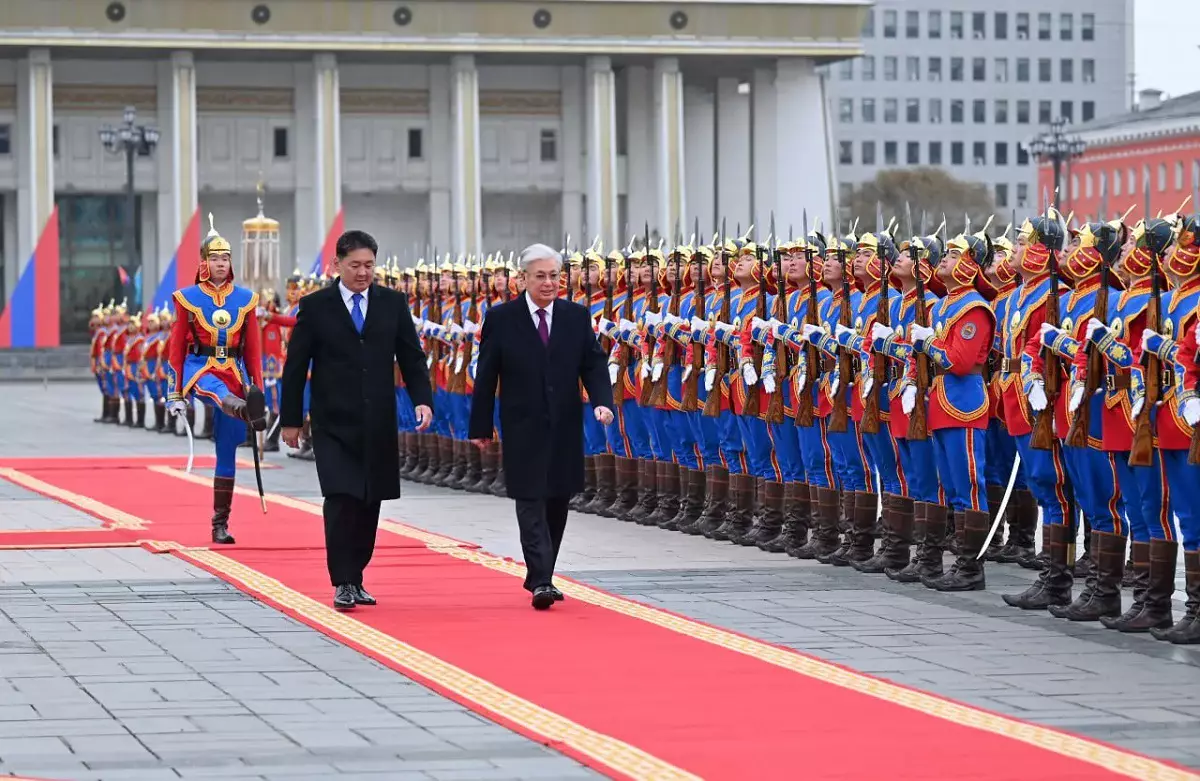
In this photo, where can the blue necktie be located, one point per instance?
(356, 313)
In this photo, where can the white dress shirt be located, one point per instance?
(533, 312)
(348, 298)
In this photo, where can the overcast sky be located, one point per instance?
(1166, 56)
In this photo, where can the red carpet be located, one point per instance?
(704, 708)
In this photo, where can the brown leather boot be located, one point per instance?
(669, 499)
(716, 502)
(691, 498)
(472, 466)
(1053, 586)
(222, 502)
(626, 487)
(487, 468)
(1156, 601)
(929, 566)
(1187, 630)
(606, 481)
(796, 519)
(1101, 595)
(458, 463)
(898, 531)
(770, 515)
(972, 528)
(995, 495)
(910, 572)
(499, 486)
(1139, 576)
(647, 501)
(824, 537)
(858, 541)
(737, 520)
(580, 500)
(1022, 528)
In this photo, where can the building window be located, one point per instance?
(1066, 110)
(845, 152)
(280, 142)
(5, 139)
(1000, 69)
(956, 153)
(891, 110)
(889, 24)
(935, 68)
(1103, 185)
(956, 69)
(1066, 71)
(1000, 26)
(912, 68)
(868, 153)
(979, 111)
(935, 24)
(1074, 192)
(1044, 27)
(1002, 195)
(1044, 110)
(890, 149)
(1022, 112)
(956, 112)
(1179, 176)
(868, 69)
(414, 144)
(868, 30)
(1022, 195)
(1089, 71)
(935, 152)
(1022, 27)
(549, 143)
(913, 156)
(1089, 111)
(979, 25)
(912, 24)
(889, 68)
(979, 69)
(1066, 25)
(868, 109)
(1162, 177)
(956, 24)
(912, 111)
(846, 70)
(1022, 155)
(1001, 153)
(1001, 112)
(1087, 27)
(1044, 70)
(1088, 183)
(1023, 69)
(846, 110)
(935, 111)
(1117, 183)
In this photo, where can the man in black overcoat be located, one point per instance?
(537, 348)
(353, 332)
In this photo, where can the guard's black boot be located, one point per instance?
(473, 458)
(500, 484)
(716, 502)
(581, 499)
(893, 552)
(796, 520)
(222, 502)
(1022, 527)
(1187, 629)
(824, 537)
(845, 527)
(458, 464)
(103, 411)
(128, 421)
(1156, 602)
(967, 572)
(626, 489)
(140, 420)
(692, 485)
(738, 519)
(770, 515)
(927, 565)
(858, 544)
(670, 500)
(1138, 570)
(489, 459)
(1053, 586)
(1101, 596)
(606, 482)
(647, 501)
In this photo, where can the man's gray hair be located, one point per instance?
(536, 252)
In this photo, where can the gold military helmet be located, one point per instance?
(214, 243)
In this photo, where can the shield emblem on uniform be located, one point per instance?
(221, 318)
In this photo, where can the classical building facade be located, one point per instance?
(469, 126)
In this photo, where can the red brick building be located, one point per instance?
(1156, 146)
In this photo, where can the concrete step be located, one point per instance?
(70, 362)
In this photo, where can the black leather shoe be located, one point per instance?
(345, 597)
(543, 597)
(558, 595)
(361, 597)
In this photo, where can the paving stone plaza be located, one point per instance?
(119, 664)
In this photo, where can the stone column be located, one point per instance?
(328, 216)
(466, 212)
(179, 221)
(31, 316)
(733, 155)
(641, 188)
(669, 148)
(440, 145)
(602, 151)
(803, 172)
(699, 155)
(763, 149)
(571, 153)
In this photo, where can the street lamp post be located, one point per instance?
(1057, 147)
(132, 139)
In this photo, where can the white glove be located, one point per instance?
(835, 384)
(759, 324)
(768, 383)
(1092, 325)
(1075, 400)
(429, 361)
(687, 372)
(656, 371)
(844, 329)
(868, 386)
(644, 371)
(606, 326)
(1138, 402)
(801, 379)
(628, 325)
(880, 331)
(1191, 412)
(270, 382)
(698, 325)
(671, 319)
(921, 333)
(458, 362)
(710, 379)
(1047, 329)
(613, 371)
(652, 318)
(1037, 396)
(1196, 333)
(471, 328)
(781, 329)
(418, 323)
(177, 407)
(808, 329)
(456, 329)
(261, 311)
(774, 324)
(723, 328)
(908, 399)
(748, 374)
(1146, 334)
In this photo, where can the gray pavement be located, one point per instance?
(129, 665)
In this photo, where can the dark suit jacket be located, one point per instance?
(541, 412)
(353, 406)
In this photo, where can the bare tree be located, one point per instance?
(927, 191)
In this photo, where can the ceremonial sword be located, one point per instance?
(191, 440)
(1012, 480)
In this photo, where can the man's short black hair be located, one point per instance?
(352, 240)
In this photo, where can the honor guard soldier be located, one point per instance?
(215, 356)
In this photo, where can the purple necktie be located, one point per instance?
(543, 328)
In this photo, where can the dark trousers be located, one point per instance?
(350, 526)
(542, 523)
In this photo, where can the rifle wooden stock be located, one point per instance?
(691, 387)
(870, 421)
(839, 421)
(752, 391)
(1194, 448)
(1142, 451)
(1077, 434)
(812, 369)
(775, 405)
(712, 405)
(1042, 437)
(658, 397)
(624, 353)
(918, 420)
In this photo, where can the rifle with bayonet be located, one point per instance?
(804, 414)
(472, 316)
(457, 379)
(1077, 434)
(918, 423)
(775, 405)
(879, 361)
(1042, 437)
(691, 386)
(712, 405)
(1141, 453)
(659, 397)
(646, 386)
(625, 355)
(839, 421)
(760, 310)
